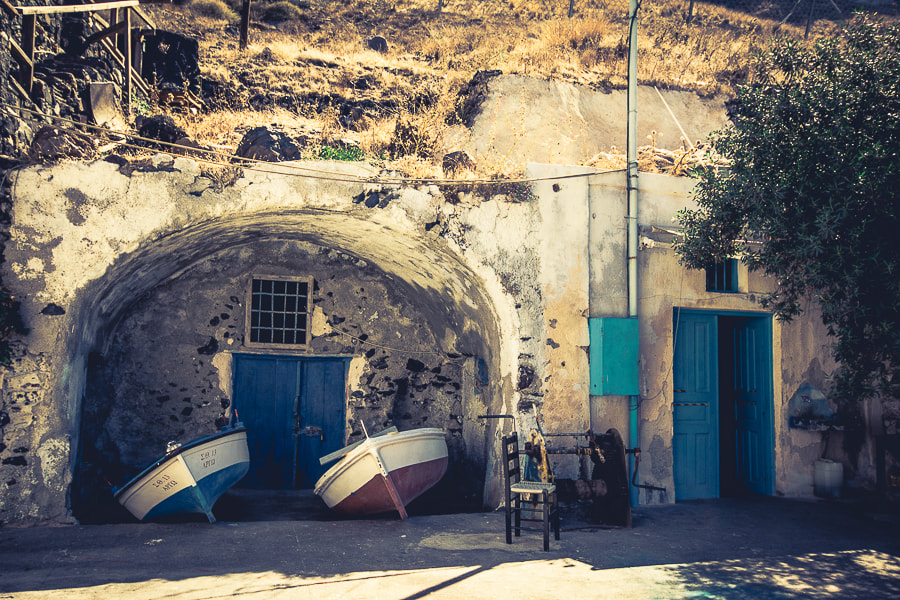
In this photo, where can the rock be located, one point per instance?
(268, 144)
(456, 162)
(51, 143)
(378, 44)
(470, 99)
(53, 309)
(159, 127)
(171, 62)
(356, 120)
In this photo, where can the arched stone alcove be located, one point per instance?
(160, 367)
(150, 270)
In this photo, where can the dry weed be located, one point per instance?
(318, 64)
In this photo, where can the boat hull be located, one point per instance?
(190, 479)
(385, 473)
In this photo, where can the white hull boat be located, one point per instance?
(385, 472)
(190, 478)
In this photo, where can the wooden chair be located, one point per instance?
(539, 504)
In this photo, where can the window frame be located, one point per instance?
(248, 313)
(730, 270)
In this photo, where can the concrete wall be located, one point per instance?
(800, 349)
(133, 282)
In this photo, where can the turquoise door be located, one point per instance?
(293, 409)
(722, 409)
(753, 405)
(695, 441)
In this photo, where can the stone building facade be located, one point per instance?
(443, 307)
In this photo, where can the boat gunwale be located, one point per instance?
(368, 445)
(174, 453)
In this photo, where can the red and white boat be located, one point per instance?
(384, 472)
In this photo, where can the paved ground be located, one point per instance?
(723, 549)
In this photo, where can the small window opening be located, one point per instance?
(722, 277)
(279, 307)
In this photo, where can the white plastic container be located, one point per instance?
(828, 478)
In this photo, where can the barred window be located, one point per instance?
(723, 276)
(279, 311)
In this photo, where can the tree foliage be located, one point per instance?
(810, 194)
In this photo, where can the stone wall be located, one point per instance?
(166, 372)
(133, 280)
(133, 277)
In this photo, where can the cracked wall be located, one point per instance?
(132, 279)
(798, 348)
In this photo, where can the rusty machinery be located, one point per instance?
(607, 489)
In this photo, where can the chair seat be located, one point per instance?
(532, 487)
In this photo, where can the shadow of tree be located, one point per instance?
(850, 574)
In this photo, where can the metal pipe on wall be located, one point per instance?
(632, 187)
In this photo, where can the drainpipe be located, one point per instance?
(633, 401)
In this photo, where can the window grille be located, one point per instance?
(722, 277)
(279, 310)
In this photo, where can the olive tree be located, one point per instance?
(808, 193)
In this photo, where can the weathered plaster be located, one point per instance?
(142, 234)
(133, 282)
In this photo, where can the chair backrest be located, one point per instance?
(511, 471)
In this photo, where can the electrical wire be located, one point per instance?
(256, 164)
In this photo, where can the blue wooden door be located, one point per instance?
(293, 409)
(321, 416)
(753, 405)
(695, 441)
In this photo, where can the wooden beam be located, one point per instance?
(25, 97)
(136, 78)
(75, 8)
(144, 17)
(104, 33)
(9, 8)
(17, 51)
(127, 59)
(245, 25)
(26, 76)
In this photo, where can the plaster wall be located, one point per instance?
(132, 280)
(800, 349)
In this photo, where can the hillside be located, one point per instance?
(310, 67)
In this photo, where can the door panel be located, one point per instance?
(695, 439)
(753, 405)
(321, 417)
(265, 391)
(293, 409)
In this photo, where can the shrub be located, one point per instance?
(280, 11)
(213, 9)
(341, 152)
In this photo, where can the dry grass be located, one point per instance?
(315, 73)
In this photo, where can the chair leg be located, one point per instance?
(508, 516)
(545, 512)
(518, 517)
(556, 516)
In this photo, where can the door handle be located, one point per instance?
(313, 431)
(679, 391)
